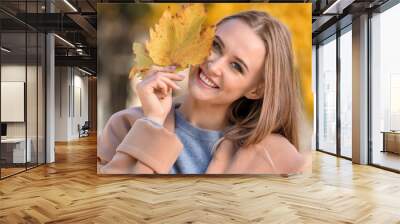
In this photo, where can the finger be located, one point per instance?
(172, 76)
(162, 87)
(150, 72)
(167, 94)
(164, 68)
(171, 83)
(160, 95)
(169, 91)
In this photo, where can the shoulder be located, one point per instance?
(283, 155)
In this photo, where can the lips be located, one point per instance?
(206, 80)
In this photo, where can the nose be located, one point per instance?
(215, 66)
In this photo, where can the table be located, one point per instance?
(391, 141)
(13, 150)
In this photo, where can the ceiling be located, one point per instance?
(76, 22)
(332, 15)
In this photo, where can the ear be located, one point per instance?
(255, 93)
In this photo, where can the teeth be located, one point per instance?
(207, 80)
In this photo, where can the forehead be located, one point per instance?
(241, 39)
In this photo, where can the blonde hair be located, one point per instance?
(278, 110)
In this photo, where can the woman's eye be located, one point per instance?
(237, 67)
(216, 46)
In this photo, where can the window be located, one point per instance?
(346, 92)
(327, 96)
(385, 89)
(22, 76)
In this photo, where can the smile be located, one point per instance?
(205, 80)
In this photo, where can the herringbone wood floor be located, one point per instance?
(70, 191)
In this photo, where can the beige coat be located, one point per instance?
(156, 149)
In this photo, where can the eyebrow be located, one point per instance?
(219, 40)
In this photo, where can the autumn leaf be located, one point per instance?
(180, 39)
(142, 60)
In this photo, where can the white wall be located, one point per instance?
(14, 73)
(80, 89)
(70, 83)
(12, 99)
(61, 103)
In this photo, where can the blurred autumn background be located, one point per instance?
(119, 25)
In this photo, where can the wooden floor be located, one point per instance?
(70, 191)
(10, 171)
(388, 159)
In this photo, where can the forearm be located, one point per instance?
(121, 163)
(152, 145)
(147, 147)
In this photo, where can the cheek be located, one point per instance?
(212, 56)
(192, 74)
(234, 87)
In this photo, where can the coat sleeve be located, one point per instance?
(281, 155)
(130, 144)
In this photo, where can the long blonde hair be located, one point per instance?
(279, 109)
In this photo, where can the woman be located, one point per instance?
(240, 114)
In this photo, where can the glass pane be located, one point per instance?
(314, 76)
(13, 86)
(327, 96)
(31, 98)
(346, 94)
(41, 98)
(23, 90)
(386, 89)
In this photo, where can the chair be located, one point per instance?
(84, 130)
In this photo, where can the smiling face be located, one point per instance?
(233, 68)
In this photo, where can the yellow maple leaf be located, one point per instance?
(180, 39)
(142, 60)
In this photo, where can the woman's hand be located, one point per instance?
(155, 92)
